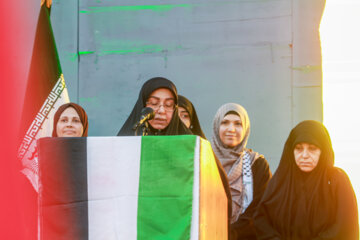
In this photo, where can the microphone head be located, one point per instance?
(148, 111)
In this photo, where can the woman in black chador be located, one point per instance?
(308, 198)
(160, 94)
(187, 114)
(247, 171)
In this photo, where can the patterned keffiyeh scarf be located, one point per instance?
(241, 183)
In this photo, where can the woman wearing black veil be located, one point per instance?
(188, 115)
(308, 198)
(167, 121)
(161, 95)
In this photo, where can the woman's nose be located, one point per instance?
(69, 124)
(161, 109)
(305, 153)
(231, 127)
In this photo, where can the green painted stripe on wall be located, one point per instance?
(158, 8)
(131, 50)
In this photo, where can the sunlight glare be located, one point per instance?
(340, 43)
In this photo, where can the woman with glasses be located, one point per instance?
(160, 94)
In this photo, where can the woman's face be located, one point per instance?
(69, 124)
(163, 103)
(230, 130)
(306, 156)
(184, 116)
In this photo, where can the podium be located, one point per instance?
(151, 187)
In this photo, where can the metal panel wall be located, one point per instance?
(264, 55)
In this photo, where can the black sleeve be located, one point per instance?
(346, 225)
(244, 228)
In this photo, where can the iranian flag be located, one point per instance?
(45, 92)
(152, 187)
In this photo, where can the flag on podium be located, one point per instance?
(152, 187)
(45, 92)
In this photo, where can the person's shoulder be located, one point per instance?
(342, 188)
(260, 159)
(338, 175)
(261, 171)
(338, 172)
(255, 155)
(260, 162)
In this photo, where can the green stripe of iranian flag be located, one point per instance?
(143, 187)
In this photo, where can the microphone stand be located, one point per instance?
(144, 129)
(147, 113)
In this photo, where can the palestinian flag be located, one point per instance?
(45, 92)
(152, 187)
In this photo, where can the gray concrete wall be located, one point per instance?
(262, 54)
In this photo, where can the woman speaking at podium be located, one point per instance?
(160, 94)
(247, 171)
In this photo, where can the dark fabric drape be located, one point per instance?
(81, 112)
(320, 204)
(175, 127)
(194, 120)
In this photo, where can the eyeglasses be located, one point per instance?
(154, 103)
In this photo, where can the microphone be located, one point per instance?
(147, 114)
